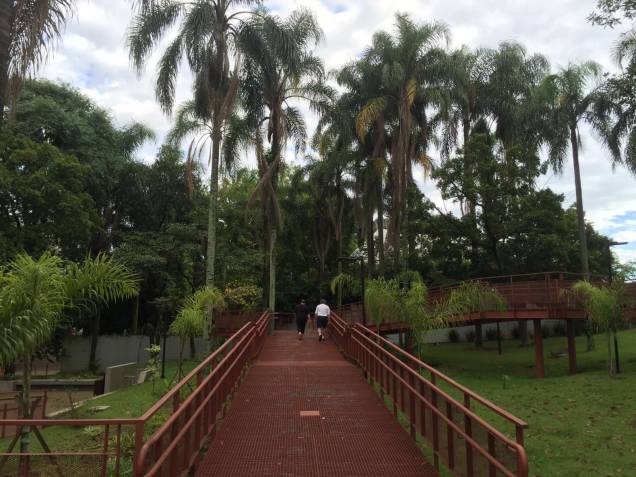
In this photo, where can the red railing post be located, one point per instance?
(139, 442)
(468, 429)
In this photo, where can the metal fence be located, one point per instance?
(435, 408)
(171, 432)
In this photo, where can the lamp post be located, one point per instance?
(354, 257)
(610, 275)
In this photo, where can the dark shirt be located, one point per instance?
(302, 311)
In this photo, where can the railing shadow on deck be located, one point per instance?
(167, 438)
(456, 436)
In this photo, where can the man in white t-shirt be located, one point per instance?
(322, 318)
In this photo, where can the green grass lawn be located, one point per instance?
(580, 425)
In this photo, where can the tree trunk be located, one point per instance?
(580, 222)
(272, 271)
(214, 192)
(6, 19)
(580, 214)
(479, 336)
(135, 317)
(370, 243)
(92, 360)
(193, 349)
(380, 228)
(25, 432)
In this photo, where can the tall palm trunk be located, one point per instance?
(216, 153)
(580, 220)
(212, 209)
(94, 338)
(380, 227)
(580, 214)
(6, 17)
(25, 397)
(272, 270)
(370, 243)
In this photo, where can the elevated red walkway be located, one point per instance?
(305, 411)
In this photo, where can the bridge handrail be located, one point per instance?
(373, 348)
(203, 372)
(518, 423)
(373, 344)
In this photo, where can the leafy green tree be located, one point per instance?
(33, 296)
(611, 12)
(205, 36)
(605, 309)
(43, 203)
(28, 28)
(63, 117)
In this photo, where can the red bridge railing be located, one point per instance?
(529, 296)
(171, 432)
(456, 435)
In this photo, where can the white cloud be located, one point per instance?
(93, 58)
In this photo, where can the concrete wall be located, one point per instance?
(114, 350)
(117, 376)
(441, 336)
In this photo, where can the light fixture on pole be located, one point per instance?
(610, 276)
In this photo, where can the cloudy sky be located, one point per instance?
(92, 57)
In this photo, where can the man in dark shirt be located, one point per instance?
(302, 314)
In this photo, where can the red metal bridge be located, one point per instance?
(355, 405)
(530, 298)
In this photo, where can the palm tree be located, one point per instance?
(411, 63)
(27, 31)
(207, 38)
(467, 75)
(618, 101)
(278, 69)
(33, 296)
(573, 103)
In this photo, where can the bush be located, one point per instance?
(242, 297)
(545, 331)
(453, 336)
(491, 334)
(516, 333)
(470, 336)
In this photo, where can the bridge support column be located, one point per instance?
(538, 349)
(571, 345)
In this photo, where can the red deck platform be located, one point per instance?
(303, 410)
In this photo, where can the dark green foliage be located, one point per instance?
(453, 336)
(43, 201)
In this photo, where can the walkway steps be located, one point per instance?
(303, 410)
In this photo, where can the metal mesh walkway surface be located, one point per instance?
(303, 410)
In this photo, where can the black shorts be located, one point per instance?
(301, 322)
(322, 321)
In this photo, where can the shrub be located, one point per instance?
(491, 334)
(516, 333)
(242, 297)
(453, 336)
(470, 336)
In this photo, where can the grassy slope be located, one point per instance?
(125, 403)
(581, 425)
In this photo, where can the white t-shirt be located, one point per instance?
(322, 310)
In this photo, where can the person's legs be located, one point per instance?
(321, 323)
(300, 326)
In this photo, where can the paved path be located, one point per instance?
(303, 410)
